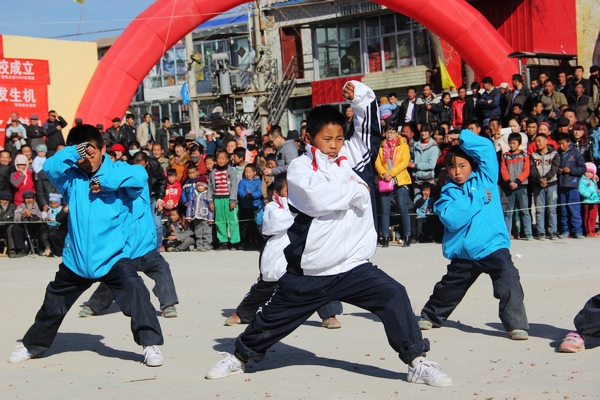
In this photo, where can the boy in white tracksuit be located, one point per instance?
(331, 241)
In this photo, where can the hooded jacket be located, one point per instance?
(545, 166)
(333, 231)
(473, 226)
(588, 190)
(573, 160)
(22, 182)
(99, 223)
(425, 160)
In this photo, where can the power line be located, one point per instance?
(86, 33)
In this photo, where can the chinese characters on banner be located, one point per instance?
(23, 89)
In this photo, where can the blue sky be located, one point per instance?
(54, 18)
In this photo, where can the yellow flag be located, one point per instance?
(82, 2)
(447, 82)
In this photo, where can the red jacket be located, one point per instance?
(172, 195)
(22, 183)
(457, 112)
(515, 167)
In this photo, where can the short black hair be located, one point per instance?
(515, 136)
(518, 105)
(85, 133)
(134, 143)
(240, 152)
(541, 135)
(172, 171)
(158, 144)
(456, 151)
(518, 78)
(209, 157)
(219, 151)
(426, 127)
(394, 94)
(129, 116)
(191, 166)
(321, 116)
(474, 122)
(532, 121)
(411, 88)
(566, 110)
(461, 88)
(140, 156)
(271, 157)
(579, 67)
(536, 102)
(564, 136)
(488, 80)
(275, 130)
(495, 119)
(428, 85)
(251, 166)
(475, 85)
(179, 141)
(279, 181)
(164, 119)
(425, 185)
(549, 80)
(147, 114)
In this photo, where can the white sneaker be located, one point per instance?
(429, 373)
(19, 354)
(228, 366)
(152, 356)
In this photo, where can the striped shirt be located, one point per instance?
(221, 188)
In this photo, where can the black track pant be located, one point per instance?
(587, 320)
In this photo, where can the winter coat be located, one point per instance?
(424, 115)
(179, 165)
(490, 110)
(36, 213)
(515, 167)
(254, 187)
(588, 190)
(545, 166)
(444, 113)
(35, 136)
(400, 159)
(573, 160)
(157, 182)
(172, 194)
(8, 213)
(285, 154)
(22, 183)
(277, 219)
(54, 136)
(197, 207)
(425, 160)
(585, 147)
(43, 188)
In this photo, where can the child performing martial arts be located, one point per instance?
(100, 197)
(475, 237)
(331, 240)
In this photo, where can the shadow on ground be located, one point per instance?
(283, 355)
(67, 342)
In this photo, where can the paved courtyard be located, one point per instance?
(97, 358)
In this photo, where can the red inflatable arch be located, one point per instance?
(142, 44)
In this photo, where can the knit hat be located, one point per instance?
(5, 195)
(118, 147)
(21, 159)
(202, 179)
(55, 197)
(42, 148)
(590, 167)
(28, 194)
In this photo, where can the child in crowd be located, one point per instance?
(572, 168)
(222, 200)
(424, 207)
(38, 162)
(209, 161)
(21, 179)
(588, 191)
(250, 201)
(16, 135)
(239, 161)
(333, 207)
(200, 216)
(173, 192)
(119, 151)
(96, 248)
(189, 184)
(179, 236)
(587, 323)
(50, 216)
(514, 170)
(545, 162)
(475, 237)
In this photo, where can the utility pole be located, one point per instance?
(258, 51)
(191, 81)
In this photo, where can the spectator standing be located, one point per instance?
(286, 152)
(572, 168)
(460, 109)
(588, 191)
(250, 203)
(172, 192)
(408, 110)
(35, 133)
(514, 170)
(489, 102)
(200, 216)
(545, 162)
(28, 211)
(53, 127)
(158, 153)
(443, 109)
(128, 131)
(426, 153)
(426, 114)
(21, 179)
(582, 104)
(163, 134)
(222, 197)
(146, 131)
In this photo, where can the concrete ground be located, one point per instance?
(97, 358)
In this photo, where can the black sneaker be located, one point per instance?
(222, 246)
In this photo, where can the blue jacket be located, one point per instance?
(211, 147)
(187, 189)
(99, 223)
(573, 160)
(253, 186)
(490, 110)
(588, 191)
(474, 227)
(197, 207)
(425, 160)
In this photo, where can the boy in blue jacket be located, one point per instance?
(250, 201)
(475, 237)
(572, 167)
(100, 197)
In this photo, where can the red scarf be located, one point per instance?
(388, 148)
